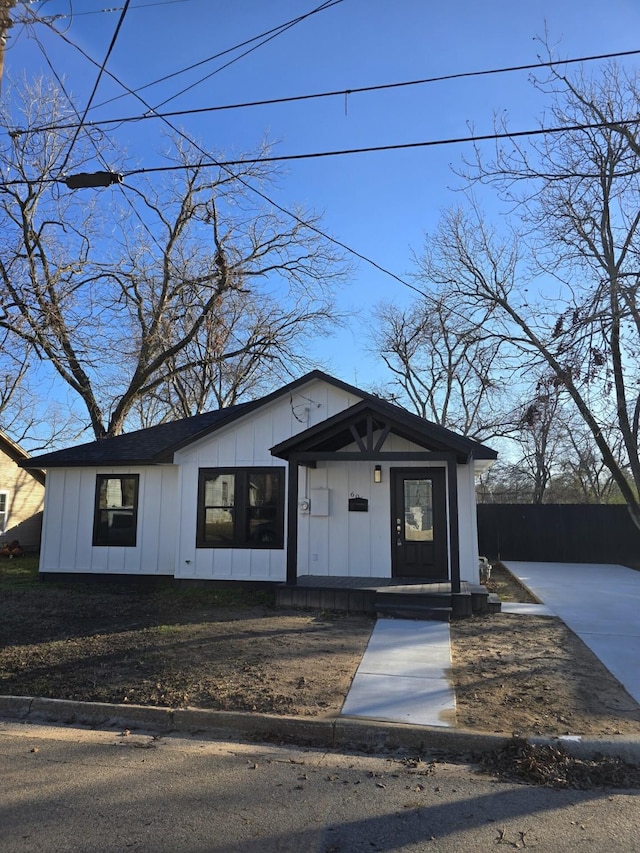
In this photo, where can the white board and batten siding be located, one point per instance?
(343, 543)
(245, 443)
(468, 524)
(331, 540)
(68, 523)
(358, 544)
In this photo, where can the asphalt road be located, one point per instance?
(67, 789)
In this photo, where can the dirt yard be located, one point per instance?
(527, 675)
(530, 675)
(231, 650)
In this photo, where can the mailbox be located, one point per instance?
(358, 505)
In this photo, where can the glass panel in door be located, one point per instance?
(418, 510)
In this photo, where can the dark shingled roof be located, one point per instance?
(142, 447)
(158, 443)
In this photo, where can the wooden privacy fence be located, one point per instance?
(571, 533)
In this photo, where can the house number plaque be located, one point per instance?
(358, 504)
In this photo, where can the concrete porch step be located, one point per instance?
(388, 597)
(414, 602)
(483, 601)
(413, 611)
(493, 603)
(409, 598)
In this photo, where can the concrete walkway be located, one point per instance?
(403, 675)
(598, 602)
(403, 679)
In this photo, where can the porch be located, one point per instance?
(411, 483)
(401, 598)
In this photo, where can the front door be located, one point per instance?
(419, 523)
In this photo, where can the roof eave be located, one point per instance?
(21, 458)
(166, 455)
(99, 463)
(408, 425)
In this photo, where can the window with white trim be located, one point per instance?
(4, 511)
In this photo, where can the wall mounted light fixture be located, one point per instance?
(377, 474)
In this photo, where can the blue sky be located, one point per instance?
(380, 204)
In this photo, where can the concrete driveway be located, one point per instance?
(598, 602)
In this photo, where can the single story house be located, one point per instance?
(21, 496)
(318, 478)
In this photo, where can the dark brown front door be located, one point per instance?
(419, 523)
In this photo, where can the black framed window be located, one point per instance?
(116, 511)
(240, 508)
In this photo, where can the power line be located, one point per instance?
(330, 94)
(326, 5)
(73, 14)
(267, 36)
(246, 184)
(396, 147)
(93, 143)
(429, 143)
(99, 77)
(271, 32)
(226, 164)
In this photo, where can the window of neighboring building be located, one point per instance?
(116, 512)
(241, 508)
(4, 501)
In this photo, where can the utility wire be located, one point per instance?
(226, 164)
(246, 184)
(274, 30)
(515, 134)
(326, 5)
(93, 143)
(99, 77)
(329, 94)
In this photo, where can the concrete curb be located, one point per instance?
(324, 732)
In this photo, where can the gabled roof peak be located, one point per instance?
(367, 424)
(158, 444)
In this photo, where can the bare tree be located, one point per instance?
(444, 363)
(582, 476)
(488, 273)
(550, 460)
(248, 347)
(131, 294)
(577, 195)
(538, 434)
(14, 363)
(27, 414)
(555, 455)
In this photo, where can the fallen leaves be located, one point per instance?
(555, 768)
